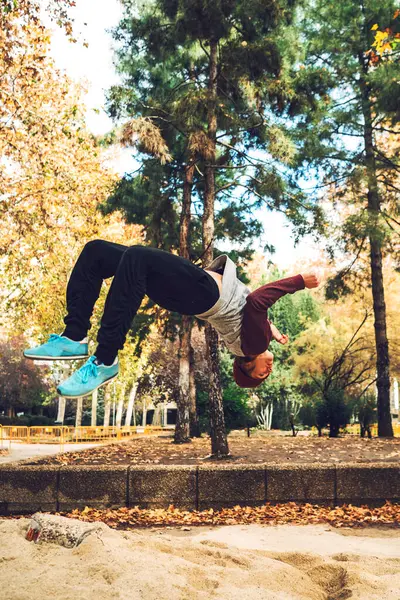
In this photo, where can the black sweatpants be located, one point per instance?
(169, 280)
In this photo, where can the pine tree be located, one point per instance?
(343, 140)
(207, 75)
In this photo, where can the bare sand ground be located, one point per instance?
(252, 562)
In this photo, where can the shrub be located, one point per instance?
(26, 421)
(338, 410)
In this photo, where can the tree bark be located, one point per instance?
(333, 431)
(94, 408)
(193, 415)
(184, 230)
(61, 400)
(219, 442)
(292, 425)
(61, 409)
(270, 413)
(107, 406)
(78, 415)
(385, 428)
(182, 427)
(120, 408)
(182, 433)
(144, 412)
(134, 415)
(131, 403)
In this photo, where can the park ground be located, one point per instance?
(284, 562)
(271, 447)
(271, 552)
(16, 450)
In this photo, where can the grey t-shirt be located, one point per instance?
(226, 315)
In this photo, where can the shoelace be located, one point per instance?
(54, 337)
(89, 369)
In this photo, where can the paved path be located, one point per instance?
(21, 451)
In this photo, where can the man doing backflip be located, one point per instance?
(213, 294)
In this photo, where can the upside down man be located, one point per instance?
(214, 294)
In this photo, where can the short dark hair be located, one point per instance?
(245, 364)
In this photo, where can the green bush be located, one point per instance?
(38, 420)
(307, 415)
(22, 421)
(336, 409)
(26, 421)
(367, 413)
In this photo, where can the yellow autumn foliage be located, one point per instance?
(323, 341)
(52, 178)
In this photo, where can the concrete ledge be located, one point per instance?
(160, 486)
(301, 483)
(366, 484)
(228, 485)
(99, 487)
(26, 489)
(30, 488)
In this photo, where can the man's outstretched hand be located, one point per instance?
(311, 280)
(277, 335)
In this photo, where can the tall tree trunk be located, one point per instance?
(61, 399)
(131, 404)
(219, 442)
(94, 408)
(78, 415)
(61, 409)
(144, 413)
(134, 414)
(333, 431)
(269, 415)
(182, 427)
(120, 406)
(182, 433)
(385, 428)
(107, 406)
(193, 415)
(184, 239)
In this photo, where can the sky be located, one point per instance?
(94, 67)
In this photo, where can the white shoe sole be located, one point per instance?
(94, 389)
(33, 357)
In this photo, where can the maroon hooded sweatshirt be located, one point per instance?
(256, 333)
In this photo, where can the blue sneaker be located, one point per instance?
(88, 378)
(58, 348)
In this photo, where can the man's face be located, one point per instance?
(262, 365)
